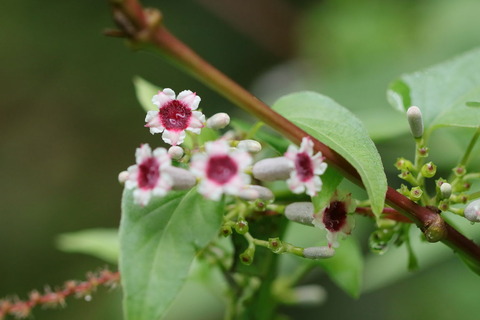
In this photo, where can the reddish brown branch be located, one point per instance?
(145, 30)
(56, 298)
(387, 213)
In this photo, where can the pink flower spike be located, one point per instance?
(306, 168)
(335, 219)
(221, 170)
(175, 115)
(148, 176)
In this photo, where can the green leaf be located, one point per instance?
(100, 243)
(443, 92)
(345, 268)
(330, 181)
(145, 92)
(339, 129)
(158, 244)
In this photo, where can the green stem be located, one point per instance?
(468, 152)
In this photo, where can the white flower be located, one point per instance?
(335, 219)
(175, 115)
(148, 176)
(221, 170)
(306, 168)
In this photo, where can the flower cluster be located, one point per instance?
(220, 167)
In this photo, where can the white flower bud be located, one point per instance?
(318, 252)
(122, 177)
(272, 169)
(175, 152)
(309, 294)
(250, 146)
(182, 179)
(301, 212)
(414, 117)
(446, 190)
(254, 192)
(472, 211)
(218, 121)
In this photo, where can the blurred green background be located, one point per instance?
(70, 122)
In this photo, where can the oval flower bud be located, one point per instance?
(318, 252)
(254, 192)
(182, 179)
(250, 146)
(175, 152)
(446, 190)
(301, 212)
(472, 211)
(414, 117)
(218, 121)
(122, 177)
(272, 169)
(309, 295)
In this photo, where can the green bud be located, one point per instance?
(226, 230)
(416, 193)
(404, 190)
(276, 245)
(444, 205)
(407, 176)
(459, 171)
(403, 164)
(247, 256)
(414, 117)
(422, 152)
(428, 170)
(241, 226)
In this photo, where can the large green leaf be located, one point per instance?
(101, 243)
(157, 246)
(339, 129)
(446, 93)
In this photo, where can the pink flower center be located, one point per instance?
(303, 166)
(335, 216)
(221, 169)
(148, 173)
(175, 115)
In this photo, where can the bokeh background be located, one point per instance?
(69, 122)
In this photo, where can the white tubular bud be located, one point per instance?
(250, 146)
(301, 212)
(414, 117)
(182, 179)
(272, 169)
(122, 177)
(446, 190)
(318, 252)
(254, 192)
(472, 211)
(175, 152)
(218, 121)
(309, 294)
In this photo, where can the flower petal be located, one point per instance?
(189, 98)
(163, 97)
(173, 137)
